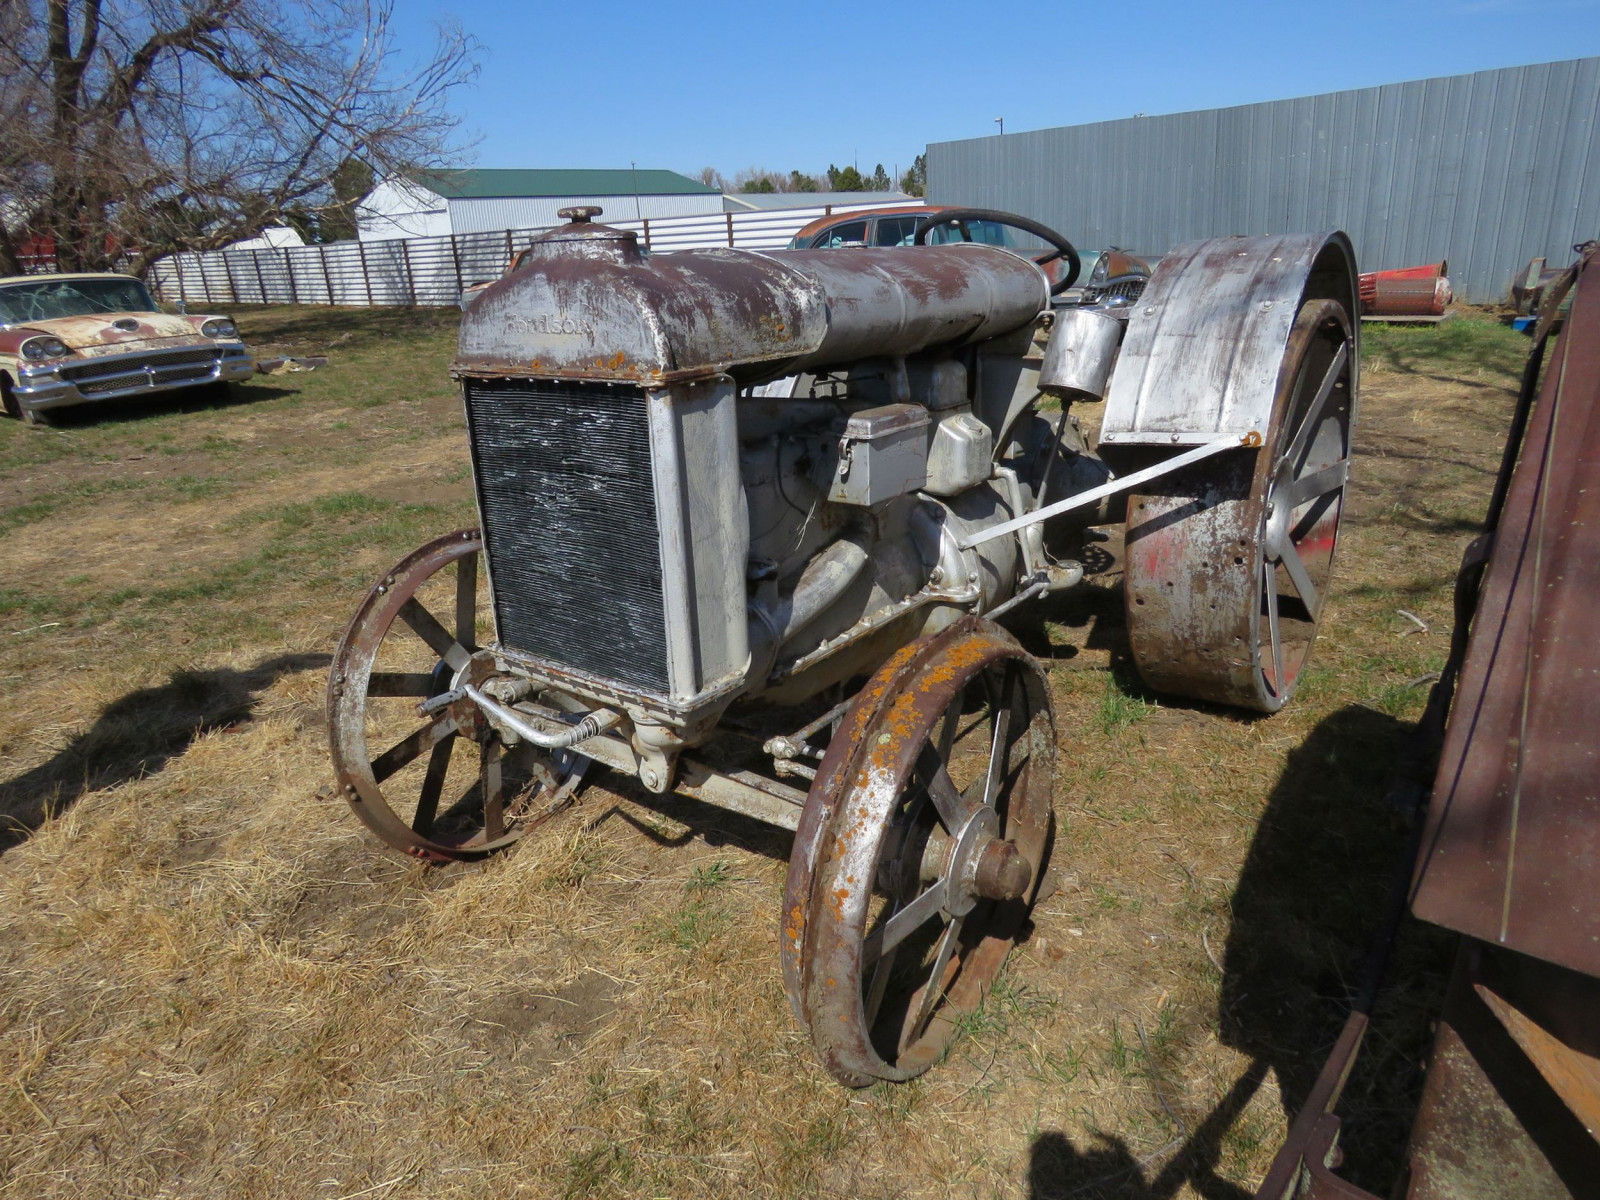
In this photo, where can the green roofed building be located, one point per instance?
(476, 201)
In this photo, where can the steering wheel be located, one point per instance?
(960, 216)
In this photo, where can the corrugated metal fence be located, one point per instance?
(1487, 170)
(433, 271)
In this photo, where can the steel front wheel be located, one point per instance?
(919, 853)
(1227, 566)
(440, 784)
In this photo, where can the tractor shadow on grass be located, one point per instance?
(1308, 901)
(136, 735)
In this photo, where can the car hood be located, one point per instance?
(98, 333)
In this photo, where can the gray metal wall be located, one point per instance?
(1486, 170)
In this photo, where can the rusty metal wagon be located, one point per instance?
(1499, 783)
(718, 489)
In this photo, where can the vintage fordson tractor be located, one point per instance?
(720, 488)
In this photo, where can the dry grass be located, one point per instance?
(214, 984)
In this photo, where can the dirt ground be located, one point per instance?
(213, 982)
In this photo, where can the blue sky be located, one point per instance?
(782, 85)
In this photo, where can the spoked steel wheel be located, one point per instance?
(919, 852)
(1227, 567)
(438, 785)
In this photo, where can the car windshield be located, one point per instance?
(990, 233)
(48, 299)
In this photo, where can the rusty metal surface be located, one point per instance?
(1511, 1106)
(1311, 1137)
(841, 846)
(1466, 1144)
(98, 334)
(1512, 849)
(1316, 1156)
(1490, 1125)
(1508, 1110)
(591, 304)
(1204, 344)
(1573, 1075)
(1227, 562)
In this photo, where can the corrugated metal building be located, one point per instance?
(1487, 170)
(454, 202)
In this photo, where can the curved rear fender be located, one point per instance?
(1201, 356)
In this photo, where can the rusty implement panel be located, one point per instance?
(1508, 1111)
(1206, 340)
(1511, 854)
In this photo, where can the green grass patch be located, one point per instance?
(704, 879)
(20, 601)
(19, 515)
(604, 1169)
(1110, 901)
(191, 488)
(1118, 709)
(690, 928)
(701, 918)
(1464, 341)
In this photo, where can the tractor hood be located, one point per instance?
(588, 302)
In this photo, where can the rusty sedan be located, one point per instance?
(77, 339)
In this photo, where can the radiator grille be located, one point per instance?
(1124, 291)
(121, 365)
(569, 520)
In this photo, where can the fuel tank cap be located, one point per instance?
(583, 237)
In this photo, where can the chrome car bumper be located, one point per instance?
(72, 381)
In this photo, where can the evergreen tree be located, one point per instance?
(846, 179)
(915, 181)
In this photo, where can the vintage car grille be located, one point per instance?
(1124, 290)
(567, 496)
(171, 366)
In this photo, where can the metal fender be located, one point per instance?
(1204, 346)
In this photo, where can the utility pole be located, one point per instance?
(634, 167)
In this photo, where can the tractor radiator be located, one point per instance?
(567, 498)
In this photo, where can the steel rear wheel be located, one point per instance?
(1227, 566)
(441, 786)
(920, 852)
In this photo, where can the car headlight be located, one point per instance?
(220, 327)
(45, 347)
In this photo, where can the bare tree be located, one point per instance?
(761, 179)
(135, 128)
